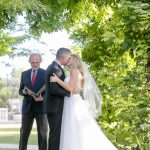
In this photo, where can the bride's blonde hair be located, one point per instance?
(77, 63)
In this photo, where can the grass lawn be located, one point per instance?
(11, 136)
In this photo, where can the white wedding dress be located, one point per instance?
(79, 130)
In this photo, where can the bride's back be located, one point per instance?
(79, 82)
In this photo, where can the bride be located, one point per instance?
(79, 130)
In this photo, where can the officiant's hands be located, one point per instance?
(38, 99)
(25, 91)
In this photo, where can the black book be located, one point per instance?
(30, 92)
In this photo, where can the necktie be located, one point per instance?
(33, 77)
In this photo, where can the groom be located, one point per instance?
(54, 97)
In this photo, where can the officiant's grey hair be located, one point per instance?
(35, 54)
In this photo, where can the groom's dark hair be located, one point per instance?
(62, 52)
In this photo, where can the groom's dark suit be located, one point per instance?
(32, 109)
(53, 104)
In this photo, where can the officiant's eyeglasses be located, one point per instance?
(34, 63)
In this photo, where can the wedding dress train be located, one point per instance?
(79, 130)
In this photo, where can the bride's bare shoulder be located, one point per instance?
(74, 73)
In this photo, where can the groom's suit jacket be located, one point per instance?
(54, 93)
(29, 104)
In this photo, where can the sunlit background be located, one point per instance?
(46, 46)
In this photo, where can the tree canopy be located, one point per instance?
(113, 37)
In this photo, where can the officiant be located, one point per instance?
(32, 89)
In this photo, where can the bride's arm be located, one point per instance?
(72, 83)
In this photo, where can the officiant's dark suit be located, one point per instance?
(54, 97)
(32, 108)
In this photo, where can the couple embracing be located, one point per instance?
(71, 123)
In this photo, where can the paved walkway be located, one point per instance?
(15, 146)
